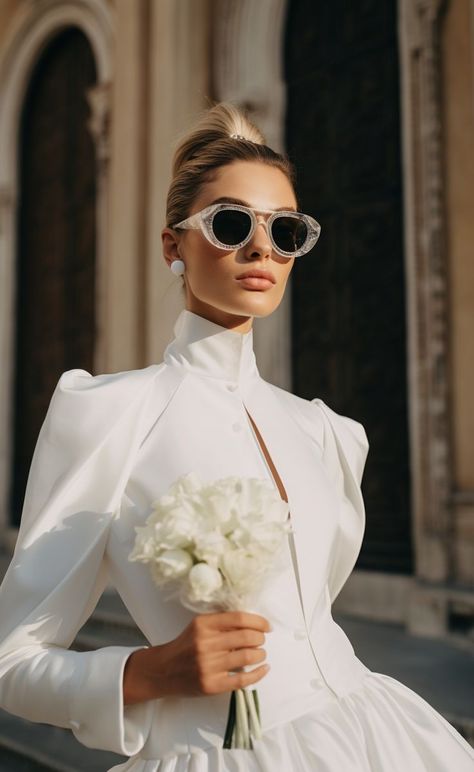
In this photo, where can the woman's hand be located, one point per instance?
(198, 661)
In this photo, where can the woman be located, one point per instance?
(111, 444)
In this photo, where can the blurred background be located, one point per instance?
(374, 103)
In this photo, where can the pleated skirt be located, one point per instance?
(382, 726)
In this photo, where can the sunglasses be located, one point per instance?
(231, 226)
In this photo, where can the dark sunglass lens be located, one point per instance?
(289, 233)
(231, 226)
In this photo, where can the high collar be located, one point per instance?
(209, 349)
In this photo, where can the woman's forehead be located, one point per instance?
(250, 183)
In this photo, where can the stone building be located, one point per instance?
(374, 102)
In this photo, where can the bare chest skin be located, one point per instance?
(276, 476)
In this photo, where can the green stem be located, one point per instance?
(230, 722)
(242, 721)
(257, 704)
(253, 717)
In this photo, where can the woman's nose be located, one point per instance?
(260, 240)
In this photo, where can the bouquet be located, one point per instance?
(216, 543)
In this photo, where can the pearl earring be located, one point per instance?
(178, 267)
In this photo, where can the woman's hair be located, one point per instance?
(208, 146)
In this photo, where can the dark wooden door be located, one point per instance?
(55, 277)
(348, 318)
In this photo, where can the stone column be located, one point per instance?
(122, 286)
(179, 90)
(427, 309)
(8, 205)
(99, 127)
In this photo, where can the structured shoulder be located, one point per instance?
(331, 430)
(349, 436)
(303, 412)
(91, 427)
(350, 423)
(78, 381)
(81, 400)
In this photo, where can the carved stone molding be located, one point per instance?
(99, 99)
(429, 400)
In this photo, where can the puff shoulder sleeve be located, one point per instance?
(345, 449)
(58, 571)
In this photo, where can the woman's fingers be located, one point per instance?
(243, 678)
(228, 620)
(209, 656)
(225, 661)
(234, 639)
(239, 658)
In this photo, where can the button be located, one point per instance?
(231, 386)
(237, 426)
(299, 634)
(315, 683)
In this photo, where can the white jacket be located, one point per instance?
(74, 536)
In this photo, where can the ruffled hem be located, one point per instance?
(383, 726)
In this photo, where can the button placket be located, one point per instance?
(299, 633)
(232, 387)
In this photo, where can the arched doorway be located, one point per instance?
(56, 237)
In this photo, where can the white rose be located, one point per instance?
(187, 484)
(204, 580)
(242, 569)
(171, 564)
(178, 528)
(255, 495)
(144, 548)
(221, 508)
(269, 536)
(210, 546)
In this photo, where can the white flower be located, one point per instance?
(218, 510)
(171, 564)
(266, 536)
(187, 484)
(242, 568)
(178, 527)
(220, 539)
(210, 545)
(204, 580)
(144, 549)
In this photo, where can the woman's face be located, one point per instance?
(212, 287)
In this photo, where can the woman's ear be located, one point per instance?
(170, 241)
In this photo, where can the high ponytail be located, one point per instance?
(210, 145)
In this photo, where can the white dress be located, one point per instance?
(112, 443)
(381, 726)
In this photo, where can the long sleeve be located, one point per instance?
(59, 570)
(345, 450)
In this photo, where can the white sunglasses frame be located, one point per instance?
(203, 220)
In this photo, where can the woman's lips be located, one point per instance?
(256, 282)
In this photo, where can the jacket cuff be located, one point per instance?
(97, 716)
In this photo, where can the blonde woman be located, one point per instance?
(113, 443)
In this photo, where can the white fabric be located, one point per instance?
(383, 726)
(109, 445)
